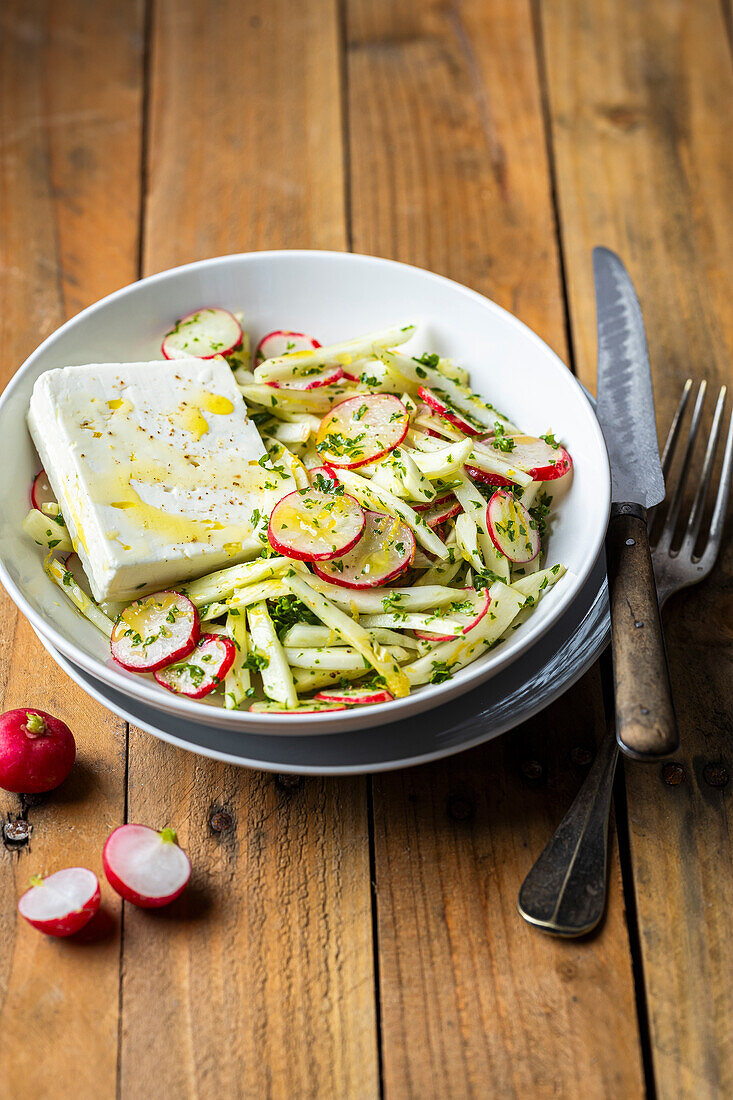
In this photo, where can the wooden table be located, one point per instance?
(353, 937)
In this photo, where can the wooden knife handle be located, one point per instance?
(646, 727)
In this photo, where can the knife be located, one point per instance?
(646, 727)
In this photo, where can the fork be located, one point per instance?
(565, 891)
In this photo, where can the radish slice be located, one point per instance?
(487, 479)
(441, 510)
(281, 342)
(63, 903)
(324, 478)
(469, 610)
(155, 631)
(145, 867)
(539, 459)
(202, 670)
(326, 378)
(511, 528)
(312, 525)
(355, 697)
(362, 429)
(305, 708)
(441, 406)
(384, 551)
(203, 334)
(426, 505)
(41, 491)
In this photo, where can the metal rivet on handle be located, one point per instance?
(673, 774)
(460, 808)
(631, 542)
(17, 832)
(715, 775)
(221, 821)
(532, 770)
(581, 756)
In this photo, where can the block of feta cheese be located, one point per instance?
(157, 470)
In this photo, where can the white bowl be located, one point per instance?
(333, 295)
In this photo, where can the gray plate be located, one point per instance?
(528, 685)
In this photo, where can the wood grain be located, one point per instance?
(641, 99)
(449, 170)
(70, 183)
(260, 981)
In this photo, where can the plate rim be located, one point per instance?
(431, 695)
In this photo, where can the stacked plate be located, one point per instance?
(336, 295)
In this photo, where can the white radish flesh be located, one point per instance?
(383, 553)
(62, 903)
(327, 377)
(155, 631)
(468, 610)
(311, 525)
(41, 491)
(202, 670)
(144, 866)
(511, 528)
(362, 429)
(443, 408)
(203, 334)
(540, 460)
(440, 511)
(282, 342)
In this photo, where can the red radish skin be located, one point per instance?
(202, 670)
(327, 378)
(63, 903)
(383, 553)
(281, 342)
(486, 478)
(438, 512)
(362, 429)
(438, 405)
(511, 528)
(203, 334)
(481, 602)
(355, 697)
(41, 491)
(312, 525)
(155, 631)
(304, 708)
(37, 751)
(542, 461)
(426, 505)
(321, 476)
(145, 867)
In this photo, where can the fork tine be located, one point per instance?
(674, 428)
(721, 502)
(670, 522)
(693, 524)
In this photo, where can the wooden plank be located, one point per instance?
(449, 171)
(69, 169)
(260, 981)
(641, 100)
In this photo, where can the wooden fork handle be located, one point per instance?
(646, 727)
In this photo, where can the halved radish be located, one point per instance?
(63, 903)
(312, 525)
(203, 334)
(468, 610)
(155, 631)
(41, 491)
(446, 410)
(144, 866)
(384, 551)
(511, 528)
(308, 707)
(362, 429)
(281, 342)
(202, 670)
(539, 459)
(355, 697)
(441, 510)
(326, 377)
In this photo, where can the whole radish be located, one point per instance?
(37, 751)
(144, 866)
(63, 903)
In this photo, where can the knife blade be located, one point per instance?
(646, 727)
(625, 400)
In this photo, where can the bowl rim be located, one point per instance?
(429, 695)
